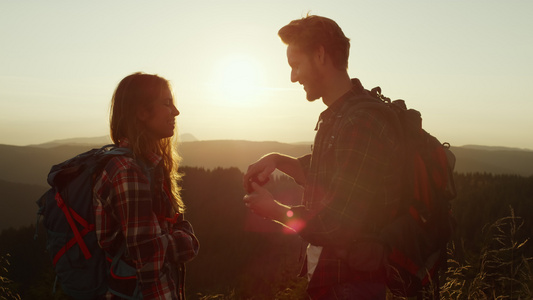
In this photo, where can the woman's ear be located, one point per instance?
(143, 114)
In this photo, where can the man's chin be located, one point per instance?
(312, 98)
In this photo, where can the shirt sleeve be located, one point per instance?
(305, 162)
(184, 245)
(351, 197)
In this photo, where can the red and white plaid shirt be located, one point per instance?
(157, 240)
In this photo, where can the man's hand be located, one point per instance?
(256, 180)
(259, 172)
(262, 203)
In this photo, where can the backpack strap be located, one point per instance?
(119, 269)
(386, 109)
(70, 215)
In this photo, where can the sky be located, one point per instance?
(467, 66)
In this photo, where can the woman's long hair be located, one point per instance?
(138, 91)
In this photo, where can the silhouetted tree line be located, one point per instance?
(248, 257)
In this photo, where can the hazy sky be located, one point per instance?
(466, 65)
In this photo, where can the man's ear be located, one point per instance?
(320, 54)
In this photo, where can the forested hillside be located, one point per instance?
(17, 204)
(245, 257)
(30, 164)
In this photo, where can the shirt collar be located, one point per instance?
(335, 108)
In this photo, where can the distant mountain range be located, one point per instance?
(23, 169)
(30, 164)
(495, 148)
(99, 140)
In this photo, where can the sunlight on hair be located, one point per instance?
(237, 80)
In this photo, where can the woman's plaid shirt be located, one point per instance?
(127, 208)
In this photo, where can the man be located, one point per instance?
(350, 180)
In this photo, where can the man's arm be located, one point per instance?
(267, 164)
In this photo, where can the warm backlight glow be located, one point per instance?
(237, 79)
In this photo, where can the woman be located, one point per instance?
(139, 211)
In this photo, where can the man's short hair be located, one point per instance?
(312, 31)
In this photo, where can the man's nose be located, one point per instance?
(294, 77)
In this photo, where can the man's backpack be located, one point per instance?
(82, 267)
(417, 237)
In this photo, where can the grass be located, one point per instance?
(7, 286)
(501, 270)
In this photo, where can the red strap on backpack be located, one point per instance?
(78, 236)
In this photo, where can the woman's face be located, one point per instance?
(160, 118)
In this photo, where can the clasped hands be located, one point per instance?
(258, 199)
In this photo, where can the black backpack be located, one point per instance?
(82, 267)
(418, 236)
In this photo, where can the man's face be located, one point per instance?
(304, 69)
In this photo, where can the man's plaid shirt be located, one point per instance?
(352, 186)
(157, 240)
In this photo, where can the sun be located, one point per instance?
(237, 78)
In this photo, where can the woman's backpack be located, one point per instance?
(82, 267)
